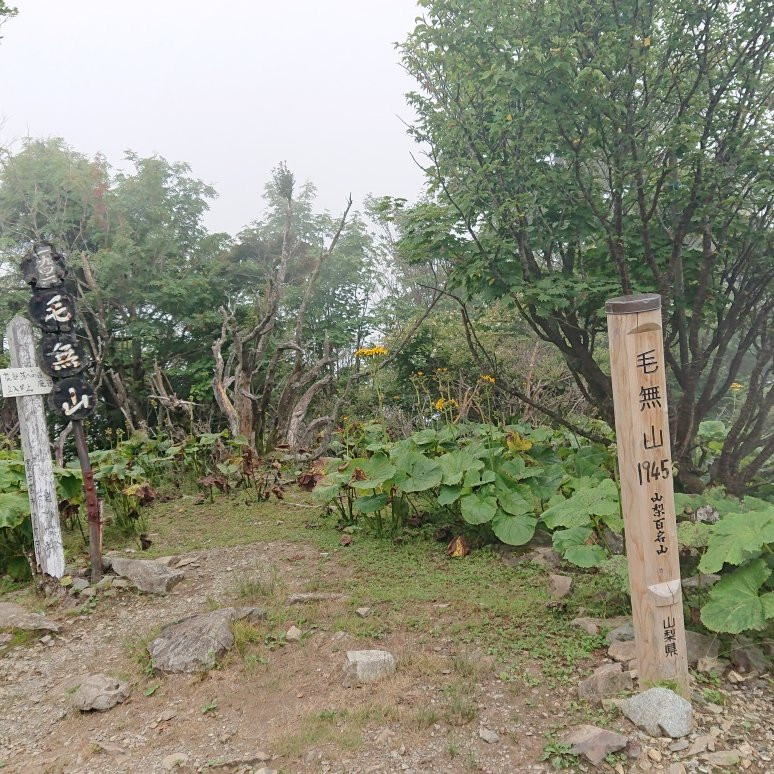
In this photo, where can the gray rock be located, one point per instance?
(659, 711)
(367, 666)
(707, 514)
(293, 634)
(592, 742)
(700, 646)
(174, 761)
(560, 585)
(623, 651)
(100, 692)
(722, 758)
(607, 680)
(196, 643)
(489, 736)
(147, 575)
(614, 540)
(120, 583)
(363, 612)
(589, 625)
(17, 617)
(700, 582)
(242, 762)
(711, 666)
(78, 585)
(746, 656)
(313, 596)
(621, 633)
(544, 557)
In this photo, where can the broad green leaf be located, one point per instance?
(424, 437)
(514, 530)
(377, 469)
(417, 473)
(575, 536)
(477, 508)
(600, 500)
(515, 504)
(585, 556)
(455, 464)
(14, 508)
(693, 534)
(371, 503)
(572, 545)
(478, 478)
(734, 605)
(449, 494)
(736, 538)
(547, 484)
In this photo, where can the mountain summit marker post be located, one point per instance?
(638, 372)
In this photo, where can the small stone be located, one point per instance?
(173, 761)
(708, 665)
(367, 666)
(120, 583)
(722, 758)
(622, 651)
(592, 742)
(293, 634)
(147, 575)
(621, 633)
(489, 736)
(607, 680)
(313, 596)
(167, 715)
(655, 755)
(676, 768)
(589, 625)
(560, 585)
(362, 612)
(77, 586)
(700, 646)
(679, 745)
(746, 656)
(88, 592)
(659, 710)
(99, 692)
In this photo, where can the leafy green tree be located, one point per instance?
(582, 150)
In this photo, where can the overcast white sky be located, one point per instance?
(231, 87)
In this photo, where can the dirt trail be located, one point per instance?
(260, 712)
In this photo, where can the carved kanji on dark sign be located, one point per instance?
(62, 355)
(52, 310)
(43, 267)
(72, 397)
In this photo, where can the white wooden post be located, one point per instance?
(638, 372)
(49, 552)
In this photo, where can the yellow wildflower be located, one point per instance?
(488, 378)
(376, 351)
(443, 403)
(736, 386)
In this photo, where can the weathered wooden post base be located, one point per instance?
(44, 509)
(647, 494)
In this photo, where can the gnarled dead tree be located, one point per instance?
(261, 399)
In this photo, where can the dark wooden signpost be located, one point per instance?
(52, 309)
